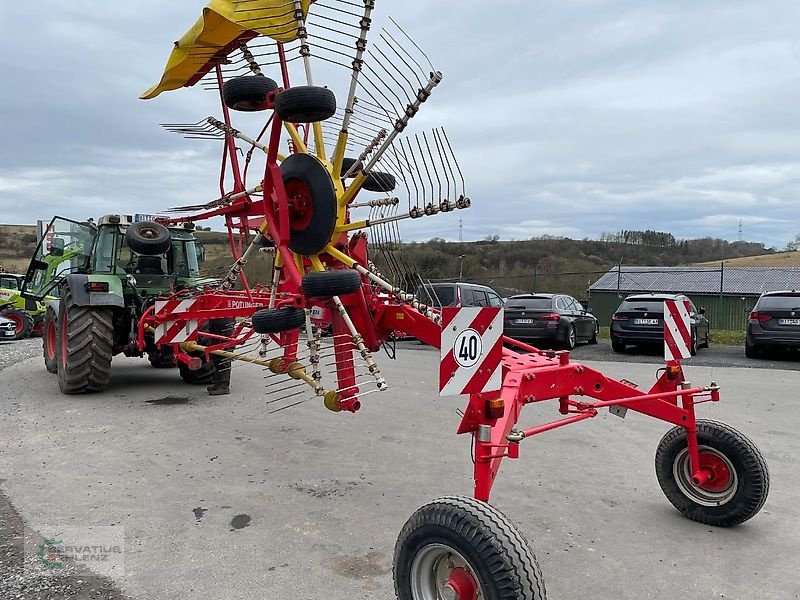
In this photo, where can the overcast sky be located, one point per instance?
(569, 117)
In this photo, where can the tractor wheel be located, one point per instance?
(148, 238)
(376, 181)
(38, 325)
(270, 320)
(160, 360)
(84, 346)
(50, 341)
(23, 322)
(203, 376)
(247, 93)
(326, 284)
(312, 203)
(305, 104)
(739, 480)
(458, 547)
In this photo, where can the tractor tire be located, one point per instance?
(740, 484)
(159, 361)
(148, 238)
(312, 218)
(376, 181)
(206, 373)
(23, 322)
(469, 543)
(326, 284)
(50, 341)
(84, 346)
(38, 325)
(247, 93)
(203, 376)
(270, 320)
(305, 104)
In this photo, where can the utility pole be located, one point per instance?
(740, 230)
(461, 232)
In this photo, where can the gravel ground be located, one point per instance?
(21, 575)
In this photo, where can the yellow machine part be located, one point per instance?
(222, 23)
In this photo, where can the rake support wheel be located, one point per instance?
(312, 203)
(305, 104)
(271, 320)
(326, 284)
(376, 181)
(457, 547)
(248, 93)
(148, 238)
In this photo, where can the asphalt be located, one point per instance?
(219, 499)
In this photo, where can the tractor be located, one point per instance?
(96, 281)
(26, 313)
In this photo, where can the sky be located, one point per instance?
(569, 117)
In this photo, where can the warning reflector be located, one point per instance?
(471, 351)
(677, 330)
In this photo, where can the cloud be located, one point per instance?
(569, 118)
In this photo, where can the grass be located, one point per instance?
(719, 337)
(779, 259)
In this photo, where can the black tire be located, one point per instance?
(751, 351)
(50, 341)
(84, 346)
(159, 360)
(148, 237)
(38, 325)
(747, 486)
(326, 284)
(617, 346)
(305, 104)
(310, 189)
(202, 376)
(571, 338)
(376, 181)
(247, 93)
(593, 339)
(270, 320)
(23, 321)
(706, 340)
(693, 348)
(496, 555)
(205, 375)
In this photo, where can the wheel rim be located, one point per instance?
(572, 337)
(149, 232)
(18, 324)
(301, 208)
(439, 572)
(722, 484)
(50, 340)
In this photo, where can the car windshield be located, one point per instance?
(788, 302)
(531, 302)
(437, 295)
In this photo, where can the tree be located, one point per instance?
(794, 245)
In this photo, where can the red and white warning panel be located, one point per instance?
(471, 351)
(677, 330)
(175, 331)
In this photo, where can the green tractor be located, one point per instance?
(26, 313)
(97, 280)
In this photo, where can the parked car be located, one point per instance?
(556, 318)
(8, 329)
(773, 323)
(639, 321)
(440, 295)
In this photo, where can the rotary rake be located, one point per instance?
(303, 187)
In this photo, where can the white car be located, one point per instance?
(8, 329)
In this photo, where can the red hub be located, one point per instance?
(50, 340)
(300, 204)
(18, 324)
(462, 585)
(718, 473)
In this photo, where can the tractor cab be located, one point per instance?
(70, 247)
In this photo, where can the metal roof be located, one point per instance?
(735, 281)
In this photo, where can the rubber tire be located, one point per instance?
(311, 172)
(707, 341)
(22, 317)
(156, 241)
(270, 320)
(247, 93)
(376, 181)
(159, 361)
(89, 334)
(501, 559)
(38, 325)
(305, 104)
(752, 351)
(751, 469)
(203, 376)
(50, 362)
(326, 284)
(593, 339)
(569, 344)
(693, 347)
(618, 346)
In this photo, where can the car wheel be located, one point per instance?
(571, 339)
(617, 346)
(593, 339)
(693, 348)
(750, 351)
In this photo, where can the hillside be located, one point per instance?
(778, 259)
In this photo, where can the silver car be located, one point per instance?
(8, 329)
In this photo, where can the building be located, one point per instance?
(727, 293)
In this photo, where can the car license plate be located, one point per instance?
(788, 321)
(9, 333)
(523, 321)
(645, 321)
